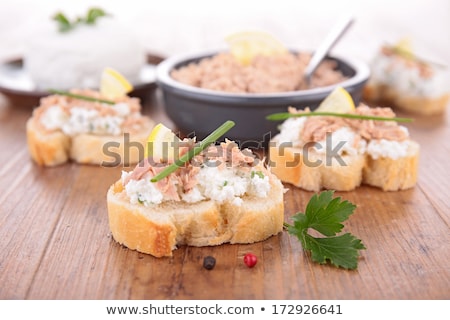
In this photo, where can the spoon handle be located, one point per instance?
(331, 39)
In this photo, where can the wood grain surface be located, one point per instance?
(56, 244)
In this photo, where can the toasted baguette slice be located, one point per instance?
(290, 165)
(54, 148)
(381, 93)
(402, 80)
(393, 174)
(47, 149)
(313, 172)
(158, 230)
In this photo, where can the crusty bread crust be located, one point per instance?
(385, 173)
(392, 175)
(379, 93)
(160, 229)
(291, 165)
(55, 148)
(47, 149)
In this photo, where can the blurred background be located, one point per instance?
(168, 27)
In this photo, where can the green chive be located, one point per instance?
(286, 115)
(199, 147)
(257, 173)
(81, 97)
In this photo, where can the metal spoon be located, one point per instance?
(329, 42)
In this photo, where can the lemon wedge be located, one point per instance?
(244, 46)
(162, 144)
(339, 101)
(404, 47)
(113, 84)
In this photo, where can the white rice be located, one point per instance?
(76, 59)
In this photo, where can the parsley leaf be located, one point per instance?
(325, 214)
(65, 25)
(93, 14)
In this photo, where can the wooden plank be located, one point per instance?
(433, 135)
(32, 202)
(56, 242)
(13, 136)
(73, 261)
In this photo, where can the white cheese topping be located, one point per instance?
(122, 109)
(388, 149)
(221, 184)
(408, 79)
(340, 142)
(290, 131)
(259, 186)
(218, 184)
(143, 191)
(54, 118)
(82, 120)
(192, 196)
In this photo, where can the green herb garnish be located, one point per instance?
(286, 115)
(257, 173)
(93, 14)
(65, 25)
(199, 147)
(325, 214)
(81, 97)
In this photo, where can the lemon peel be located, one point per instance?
(246, 45)
(162, 144)
(338, 101)
(113, 84)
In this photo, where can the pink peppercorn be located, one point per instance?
(250, 260)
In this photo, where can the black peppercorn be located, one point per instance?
(209, 262)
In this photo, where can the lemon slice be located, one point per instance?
(404, 47)
(339, 101)
(162, 144)
(244, 46)
(113, 84)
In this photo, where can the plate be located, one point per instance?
(15, 82)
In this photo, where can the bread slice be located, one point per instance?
(389, 174)
(159, 229)
(54, 148)
(381, 93)
(47, 149)
(312, 171)
(373, 152)
(402, 80)
(393, 174)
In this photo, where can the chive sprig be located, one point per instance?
(199, 147)
(286, 115)
(80, 96)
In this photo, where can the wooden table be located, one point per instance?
(56, 244)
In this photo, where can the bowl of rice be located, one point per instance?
(202, 90)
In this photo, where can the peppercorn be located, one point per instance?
(250, 260)
(209, 262)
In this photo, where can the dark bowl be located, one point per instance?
(197, 111)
